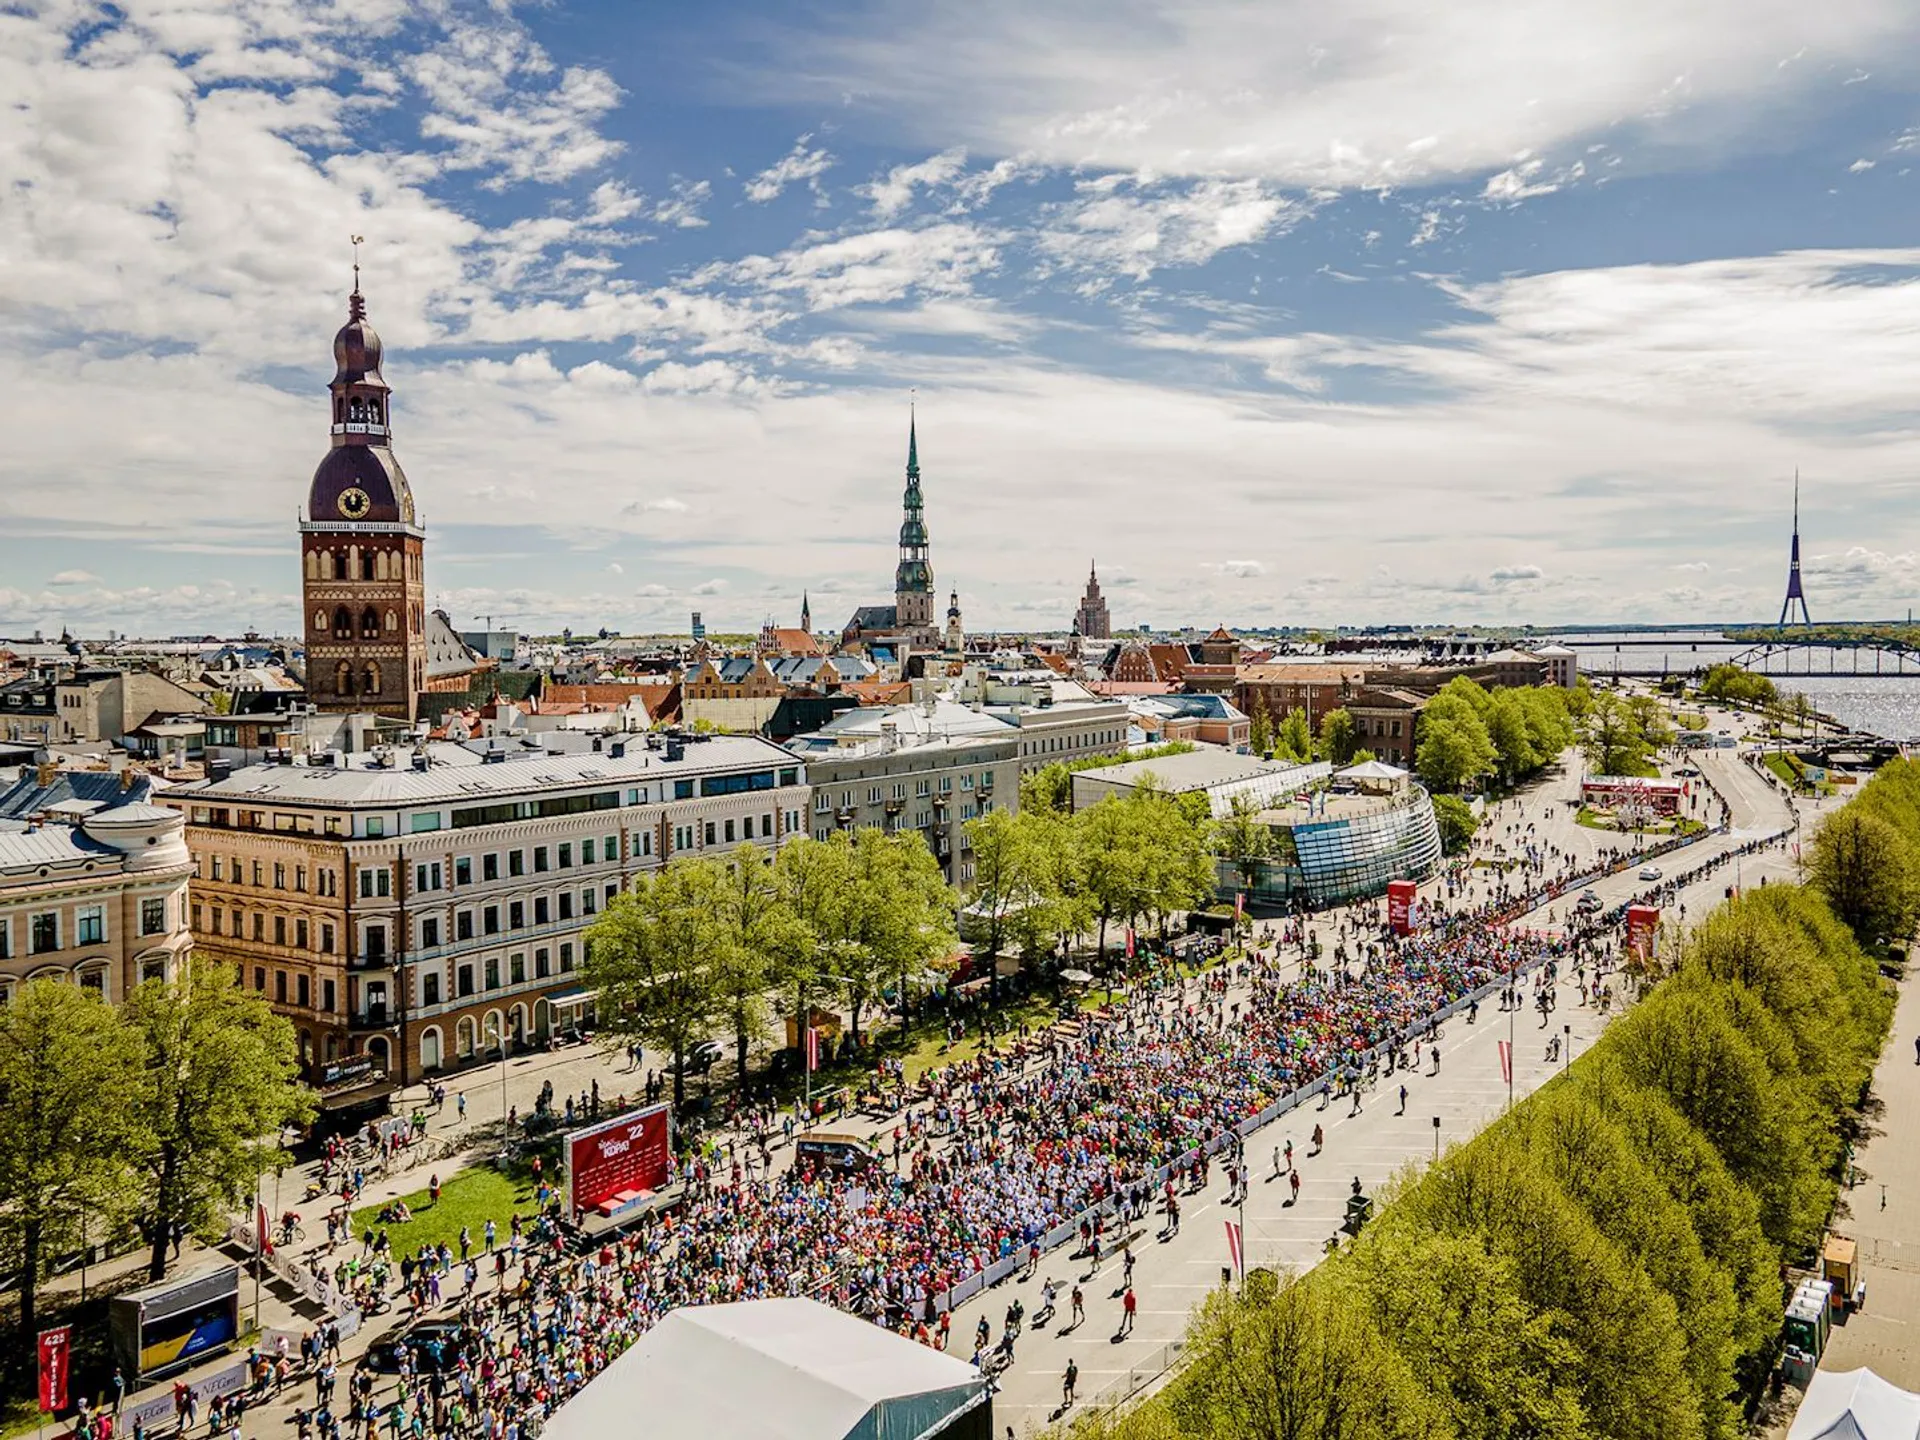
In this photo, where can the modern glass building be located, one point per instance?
(1348, 854)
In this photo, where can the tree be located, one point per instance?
(1457, 823)
(1453, 750)
(1864, 868)
(69, 1088)
(1612, 737)
(901, 912)
(1260, 726)
(757, 937)
(1001, 869)
(1339, 736)
(1243, 838)
(1048, 788)
(218, 1087)
(650, 957)
(1294, 740)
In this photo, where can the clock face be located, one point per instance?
(354, 503)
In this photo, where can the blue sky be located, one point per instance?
(1286, 313)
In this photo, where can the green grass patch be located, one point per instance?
(470, 1197)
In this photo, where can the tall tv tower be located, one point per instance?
(1794, 592)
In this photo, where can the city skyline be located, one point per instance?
(1480, 316)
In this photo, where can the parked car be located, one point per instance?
(704, 1056)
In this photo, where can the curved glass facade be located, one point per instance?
(1347, 857)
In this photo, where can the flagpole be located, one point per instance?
(1513, 1003)
(259, 1247)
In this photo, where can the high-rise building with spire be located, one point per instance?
(1794, 592)
(1091, 621)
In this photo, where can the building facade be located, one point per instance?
(408, 906)
(92, 891)
(1387, 722)
(1279, 690)
(1091, 621)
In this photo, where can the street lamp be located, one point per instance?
(496, 1027)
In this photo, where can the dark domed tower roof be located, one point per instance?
(368, 471)
(356, 348)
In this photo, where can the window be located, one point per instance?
(300, 878)
(566, 905)
(612, 848)
(424, 824)
(566, 958)
(489, 867)
(612, 890)
(873, 794)
(539, 859)
(683, 789)
(326, 882)
(517, 969)
(300, 934)
(427, 877)
(89, 925)
(194, 914)
(430, 990)
(923, 786)
(260, 978)
(257, 872)
(646, 842)
(587, 906)
(586, 853)
(490, 920)
(280, 987)
(303, 991)
(493, 974)
(463, 870)
(683, 837)
(279, 929)
(430, 932)
(516, 915)
(219, 869)
(260, 927)
(327, 996)
(729, 832)
(463, 981)
(542, 964)
(376, 826)
(463, 925)
(710, 839)
(516, 862)
(279, 876)
(326, 939)
(822, 804)
(376, 882)
(376, 942)
(541, 906)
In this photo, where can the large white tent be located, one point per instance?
(1855, 1405)
(776, 1370)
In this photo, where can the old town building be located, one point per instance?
(1091, 621)
(909, 620)
(406, 904)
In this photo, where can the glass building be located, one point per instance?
(1346, 857)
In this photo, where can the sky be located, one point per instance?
(1283, 313)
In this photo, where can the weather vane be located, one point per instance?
(358, 241)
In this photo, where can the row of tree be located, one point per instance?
(1043, 876)
(695, 949)
(1606, 1259)
(1469, 734)
(161, 1114)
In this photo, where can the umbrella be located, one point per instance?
(1076, 977)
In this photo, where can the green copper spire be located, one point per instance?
(913, 577)
(913, 447)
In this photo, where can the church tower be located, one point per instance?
(956, 632)
(361, 546)
(913, 577)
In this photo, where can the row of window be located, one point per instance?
(515, 914)
(1053, 744)
(283, 929)
(48, 932)
(823, 799)
(281, 876)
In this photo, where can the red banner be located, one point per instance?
(813, 1049)
(1643, 928)
(1234, 1253)
(262, 1229)
(619, 1161)
(1400, 895)
(55, 1347)
(1506, 1063)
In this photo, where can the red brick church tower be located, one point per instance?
(362, 547)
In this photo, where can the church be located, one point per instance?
(909, 622)
(372, 646)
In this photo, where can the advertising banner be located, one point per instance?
(1643, 929)
(618, 1160)
(56, 1346)
(1400, 895)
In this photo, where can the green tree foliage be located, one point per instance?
(1048, 788)
(1731, 682)
(1260, 726)
(1457, 823)
(1454, 749)
(900, 914)
(69, 1087)
(650, 957)
(1294, 739)
(1137, 856)
(217, 1089)
(1864, 867)
(1242, 838)
(1339, 736)
(1614, 734)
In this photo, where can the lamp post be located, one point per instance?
(496, 1027)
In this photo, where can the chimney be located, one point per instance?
(126, 780)
(44, 772)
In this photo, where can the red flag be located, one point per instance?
(1239, 904)
(55, 1346)
(1506, 1062)
(1129, 942)
(1233, 1248)
(262, 1230)
(813, 1048)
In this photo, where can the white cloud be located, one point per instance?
(1132, 226)
(870, 267)
(682, 207)
(709, 587)
(1377, 92)
(67, 578)
(616, 568)
(1859, 165)
(1241, 569)
(796, 165)
(894, 193)
(1516, 574)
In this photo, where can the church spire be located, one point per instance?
(913, 577)
(806, 613)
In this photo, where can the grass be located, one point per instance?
(1602, 820)
(470, 1197)
(1793, 774)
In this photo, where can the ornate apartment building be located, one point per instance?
(417, 908)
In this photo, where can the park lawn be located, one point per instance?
(470, 1197)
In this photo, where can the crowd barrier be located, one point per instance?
(306, 1283)
(155, 1414)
